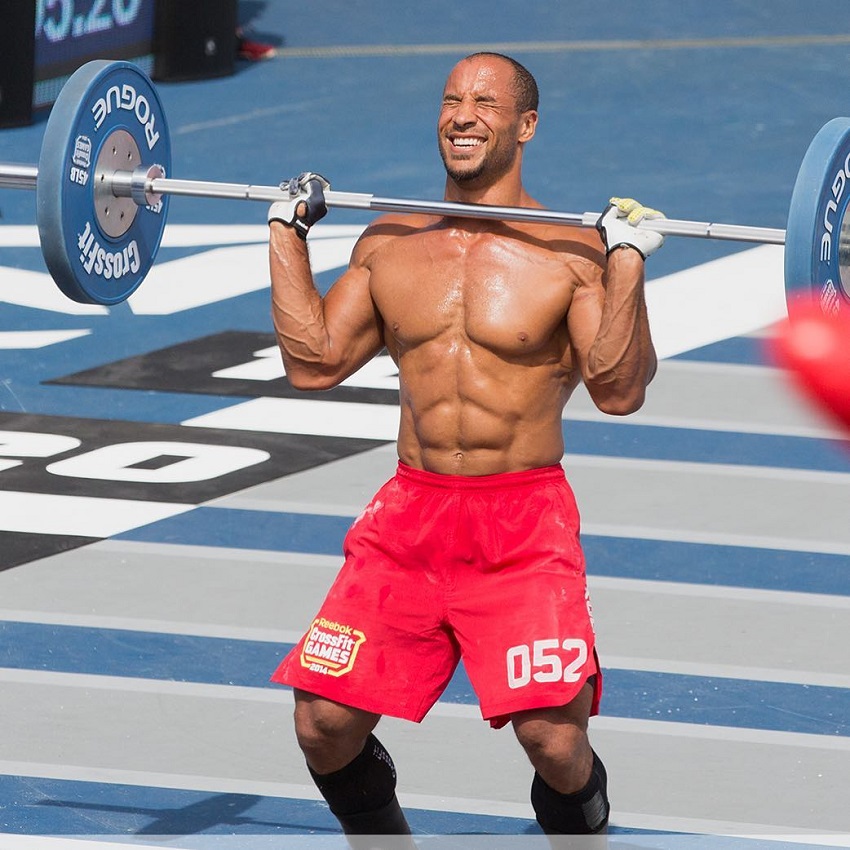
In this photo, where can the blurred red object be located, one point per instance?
(254, 51)
(814, 349)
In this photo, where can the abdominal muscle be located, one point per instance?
(465, 411)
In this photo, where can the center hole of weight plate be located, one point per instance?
(119, 152)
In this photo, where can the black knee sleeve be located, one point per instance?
(362, 794)
(583, 813)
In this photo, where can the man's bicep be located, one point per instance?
(352, 322)
(584, 318)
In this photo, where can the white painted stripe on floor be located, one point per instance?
(43, 842)
(201, 279)
(731, 504)
(697, 369)
(685, 530)
(695, 827)
(37, 339)
(745, 399)
(724, 831)
(19, 236)
(812, 432)
(689, 309)
(193, 235)
(285, 636)
(596, 529)
(167, 687)
(158, 627)
(222, 273)
(697, 731)
(716, 538)
(303, 560)
(199, 235)
(305, 416)
(463, 712)
(291, 636)
(755, 595)
(726, 671)
(127, 684)
(177, 782)
(37, 290)
(716, 470)
(79, 516)
(575, 413)
(248, 503)
(649, 586)
(426, 802)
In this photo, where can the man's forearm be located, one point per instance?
(297, 309)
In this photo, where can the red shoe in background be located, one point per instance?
(253, 51)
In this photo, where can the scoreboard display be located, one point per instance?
(42, 42)
(69, 33)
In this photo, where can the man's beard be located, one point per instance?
(494, 164)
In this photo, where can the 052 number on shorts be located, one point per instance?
(547, 660)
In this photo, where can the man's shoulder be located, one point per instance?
(566, 243)
(384, 232)
(400, 224)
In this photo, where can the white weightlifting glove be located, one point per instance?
(305, 205)
(618, 225)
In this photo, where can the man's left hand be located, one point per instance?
(618, 225)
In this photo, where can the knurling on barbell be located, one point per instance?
(102, 185)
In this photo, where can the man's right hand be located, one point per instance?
(305, 205)
(618, 225)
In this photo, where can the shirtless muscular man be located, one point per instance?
(472, 549)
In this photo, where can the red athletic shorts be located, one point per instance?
(440, 567)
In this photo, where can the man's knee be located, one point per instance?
(330, 735)
(544, 739)
(318, 719)
(557, 736)
(350, 767)
(569, 792)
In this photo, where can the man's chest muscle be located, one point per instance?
(496, 293)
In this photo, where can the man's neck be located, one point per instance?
(504, 193)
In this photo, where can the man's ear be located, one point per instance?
(528, 125)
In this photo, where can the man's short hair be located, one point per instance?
(525, 86)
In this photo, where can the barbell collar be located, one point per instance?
(141, 191)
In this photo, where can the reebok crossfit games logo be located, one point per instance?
(331, 648)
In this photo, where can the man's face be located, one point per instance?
(479, 127)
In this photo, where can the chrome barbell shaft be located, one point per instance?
(375, 203)
(124, 183)
(17, 176)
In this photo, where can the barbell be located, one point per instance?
(102, 193)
